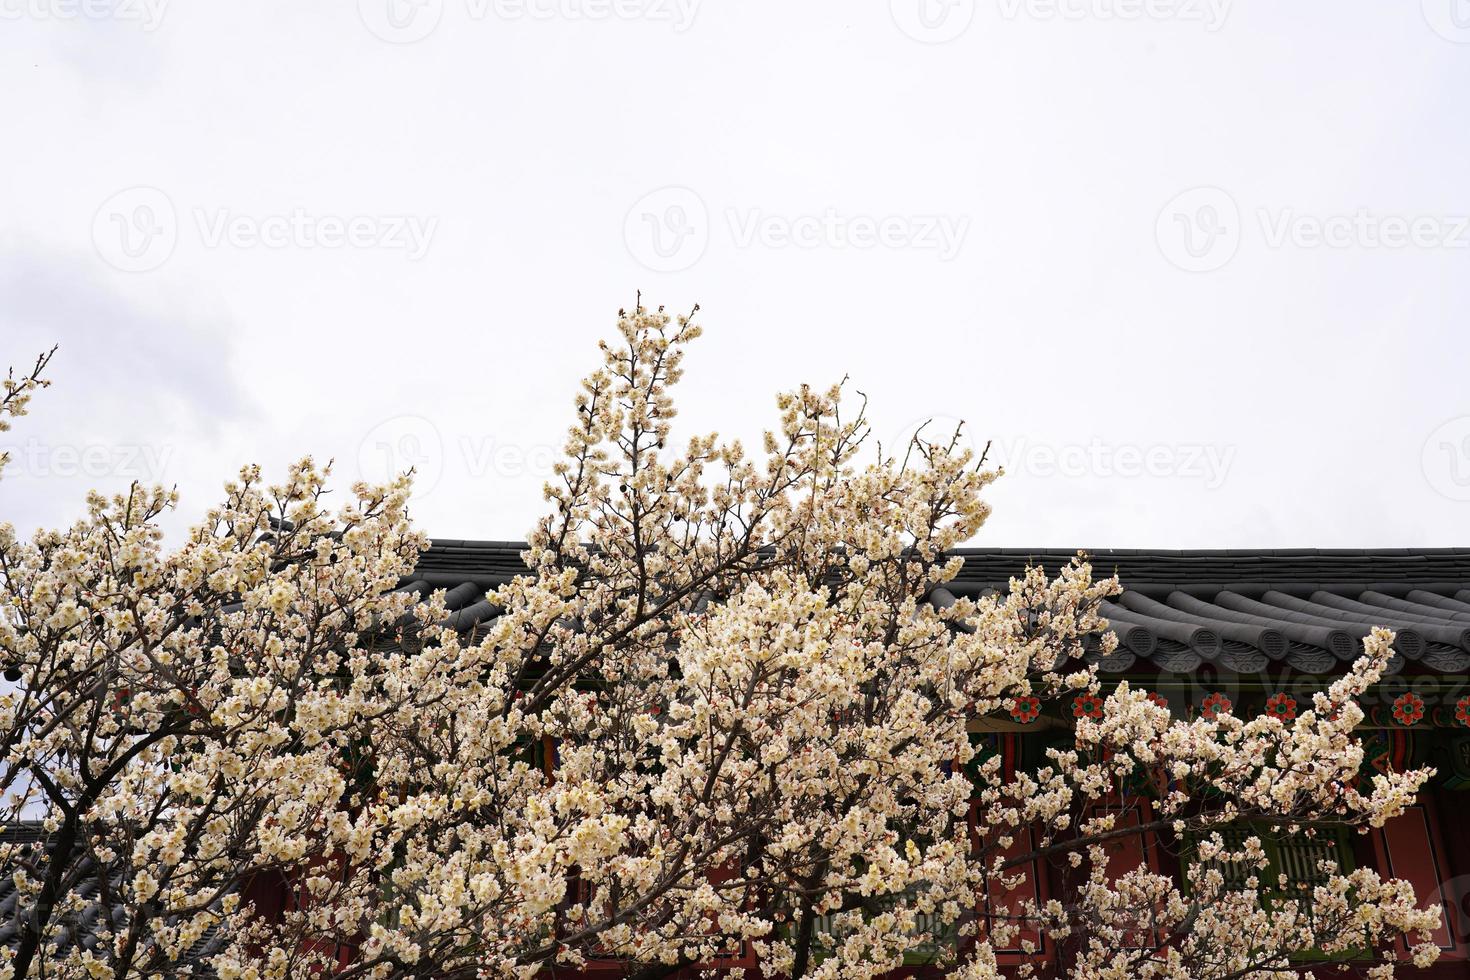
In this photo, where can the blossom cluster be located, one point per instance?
(724, 719)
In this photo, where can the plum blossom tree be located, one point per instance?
(724, 721)
(16, 393)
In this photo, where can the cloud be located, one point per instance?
(141, 391)
(121, 350)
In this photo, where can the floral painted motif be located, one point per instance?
(1215, 705)
(1087, 706)
(1026, 709)
(1408, 708)
(1462, 711)
(1158, 699)
(1281, 705)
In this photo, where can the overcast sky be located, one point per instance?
(1199, 268)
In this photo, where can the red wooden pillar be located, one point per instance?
(1412, 846)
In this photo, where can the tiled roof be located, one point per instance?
(1241, 610)
(1247, 610)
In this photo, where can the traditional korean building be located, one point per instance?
(1240, 630)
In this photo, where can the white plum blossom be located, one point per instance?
(718, 723)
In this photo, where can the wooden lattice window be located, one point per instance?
(1299, 856)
